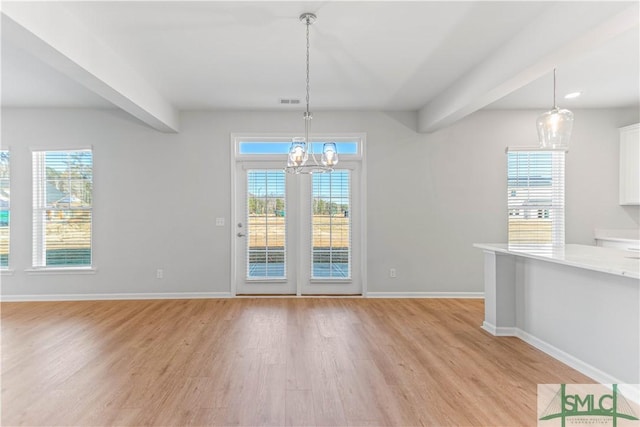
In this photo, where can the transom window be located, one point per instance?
(247, 147)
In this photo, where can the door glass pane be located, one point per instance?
(331, 225)
(266, 224)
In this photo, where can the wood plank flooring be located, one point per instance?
(267, 361)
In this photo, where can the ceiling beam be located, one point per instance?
(61, 41)
(550, 40)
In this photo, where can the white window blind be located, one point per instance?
(266, 224)
(535, 194)
(331, 225)
(5, 208)
(62, 208)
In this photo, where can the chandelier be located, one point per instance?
(302, 148)
(554, 126)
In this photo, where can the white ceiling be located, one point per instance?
(364, 55)
(29, 82)
(608, 77)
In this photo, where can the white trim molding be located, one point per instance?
(560, 355)
(122, 296)
(462, 295)
(204, 295)
(499, 331)
(61, 270)
(566, 358)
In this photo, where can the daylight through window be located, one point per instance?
(5, 208)
(535, 194)
(62, 208)
(331, 225)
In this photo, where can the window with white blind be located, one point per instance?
(266, 224)
(5, 209)
(331, 225)
(535, 194)
(62, 208)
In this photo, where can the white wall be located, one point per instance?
(429, 196)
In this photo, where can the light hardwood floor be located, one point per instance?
(250, 362)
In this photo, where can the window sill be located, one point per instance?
(329, 281)
(61, 270)
(7, 272)
(265, 280)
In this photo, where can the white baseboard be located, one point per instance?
(473, 295)
(201, 295)
(499, 331)
(123, 296)
(568, 359)
(564, 357)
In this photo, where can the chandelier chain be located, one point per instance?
(302, 148)
(554, 89)
(308, 86)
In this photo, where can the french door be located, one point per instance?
(296, 234)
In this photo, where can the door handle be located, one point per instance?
(240, 234)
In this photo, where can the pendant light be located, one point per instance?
(554, 126)
(302, 148)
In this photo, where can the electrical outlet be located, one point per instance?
(392, 273)
(219, 222)
(159, 273)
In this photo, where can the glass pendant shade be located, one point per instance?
(298, 153)
(554, 128)
(329, 154)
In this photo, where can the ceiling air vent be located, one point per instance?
(288, 101)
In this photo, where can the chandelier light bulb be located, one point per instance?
(298, 153)
(329, 154)
(554, 128)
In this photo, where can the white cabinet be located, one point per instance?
(630, 165)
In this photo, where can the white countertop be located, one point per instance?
(606, 260)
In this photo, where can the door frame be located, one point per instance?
(265, 286)
(236, 157)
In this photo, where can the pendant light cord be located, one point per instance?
(554, 90)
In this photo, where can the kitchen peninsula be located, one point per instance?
(580, 304)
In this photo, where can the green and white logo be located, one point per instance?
(585, 405)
